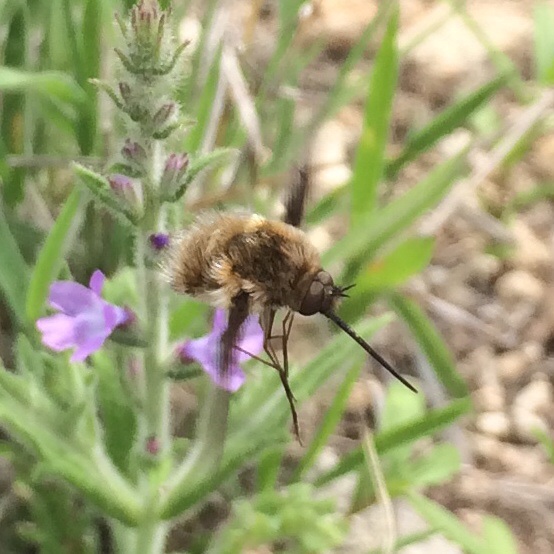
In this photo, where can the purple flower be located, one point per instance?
(85, 321)
(206, 349)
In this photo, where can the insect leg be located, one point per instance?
(268, 320)
(287, 327)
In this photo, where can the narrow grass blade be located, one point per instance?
(432, 422)
(498, 537)
(447, 121)
(330, 421)
(51, 256)
(269, 467)
(193, 139)
(396, 267)
(14, 272)
(446, 523)
(370, 156)
(376, 229)
(544, 42)
(13, 123)
(341, 91)
(431, 344)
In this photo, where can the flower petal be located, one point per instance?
(200, 350)
(114, 316)
(90, 329)
(87, 347)
(71, 298)
(220, 322)
(232, 381)
(97, 282)
(205, 351)
(58, 331)
(251, 338)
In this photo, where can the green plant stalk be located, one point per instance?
(207, 453)
(154, 422)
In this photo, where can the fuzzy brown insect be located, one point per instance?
(246, 264)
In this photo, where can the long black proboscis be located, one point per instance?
(375, 355)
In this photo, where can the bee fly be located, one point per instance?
(246, 264)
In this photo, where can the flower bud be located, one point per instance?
(181, 353)
(133, 152)
(152, 446)
(147, 23)
(175, 169)
(127, 191)
(125, 91)
(159, 241)
(163, 115)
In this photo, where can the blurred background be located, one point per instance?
(430, 148)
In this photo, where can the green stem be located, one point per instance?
(206, 455)
(154, 422)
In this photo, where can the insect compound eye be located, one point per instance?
(313, 300)
(325, 278)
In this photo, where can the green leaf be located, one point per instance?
(407, 259)
(89, 471)
(544, 42)
(14, 273)
(546, 441)
(431, 422)
(435, 467)
(269, 467)
(447, 121)
(102, 192)
(446, 523)
(51, 256)
(498, 537)
(402, 406)
(116, 410)
(52, 83)
(431, 344)
(204, 161)
(370, 156)
(376, 229)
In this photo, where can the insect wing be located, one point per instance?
(295, 201)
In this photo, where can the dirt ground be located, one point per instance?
(496, 313)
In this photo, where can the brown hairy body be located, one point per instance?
(224, 254)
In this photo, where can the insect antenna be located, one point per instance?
(375, 355)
